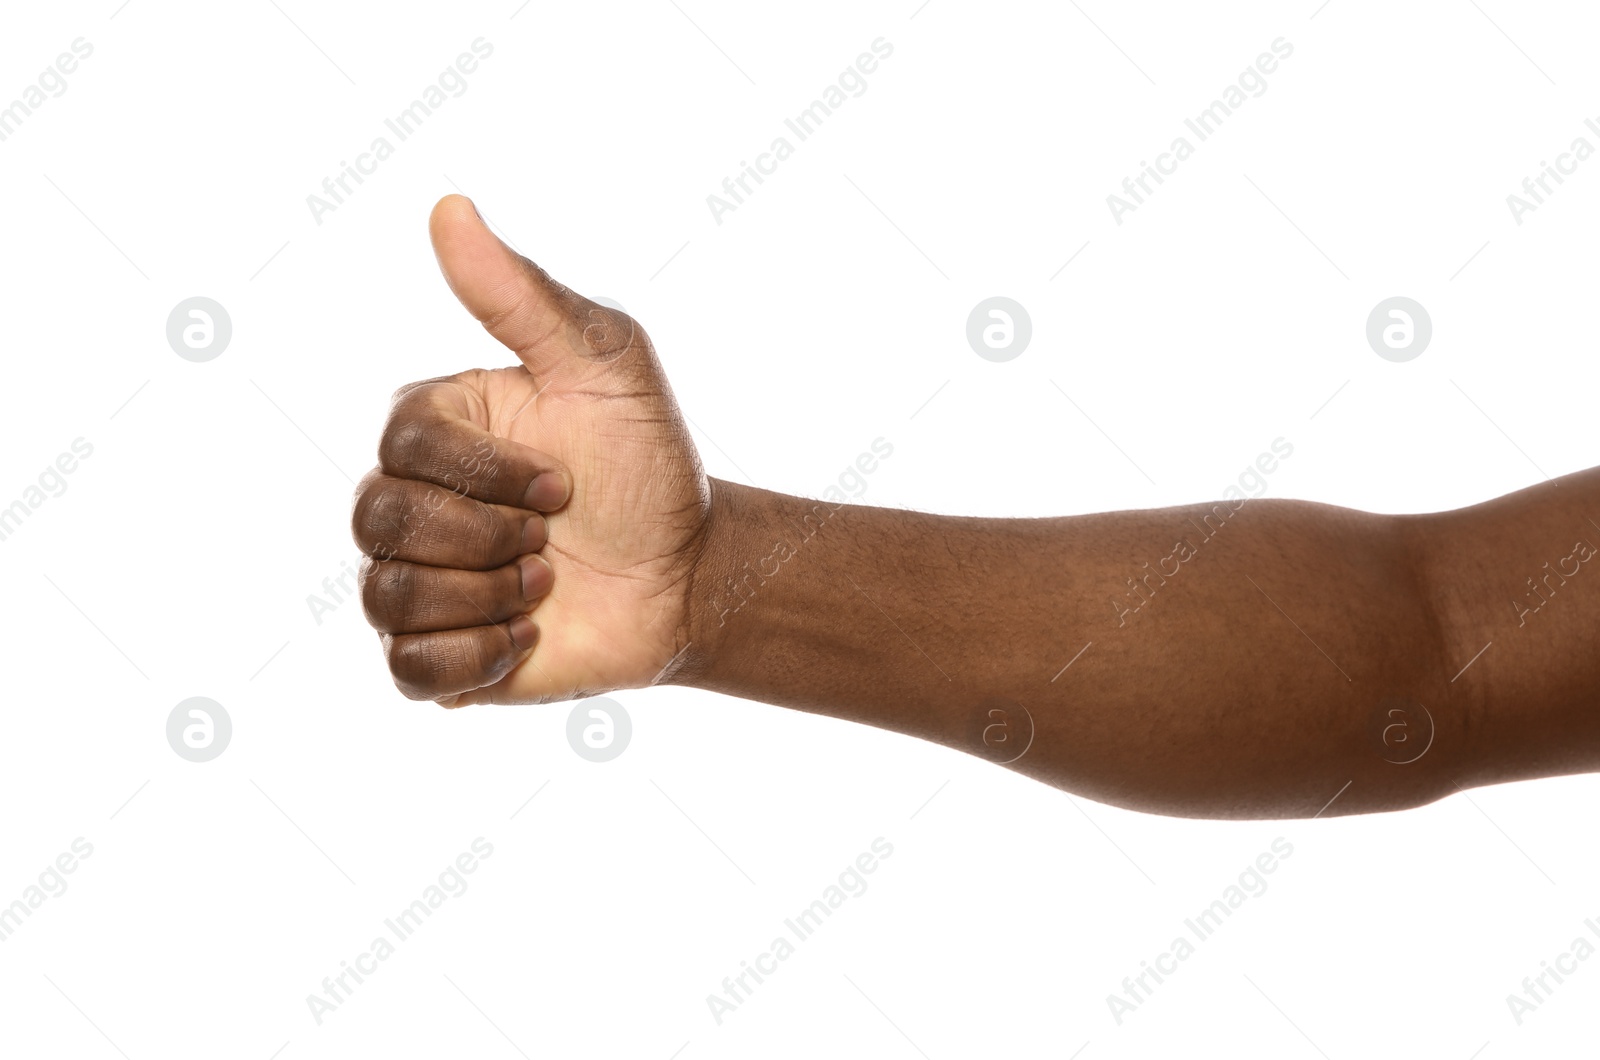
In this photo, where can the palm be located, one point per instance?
(620, 546)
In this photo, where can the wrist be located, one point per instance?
(710, 586)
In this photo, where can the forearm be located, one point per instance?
(1234, 660)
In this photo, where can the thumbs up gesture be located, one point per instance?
(530, 531)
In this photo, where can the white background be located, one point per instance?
(827, 311)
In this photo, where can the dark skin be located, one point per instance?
(546, 531)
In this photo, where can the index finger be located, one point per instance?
(432, 436)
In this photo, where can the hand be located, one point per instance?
(530, 531)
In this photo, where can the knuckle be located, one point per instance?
(361, 511)
(414, 663)
(389, 595)
(365, 575)
(379, 515)
(401, 392)
(404, 445)
(358, 504)
(412, 392)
